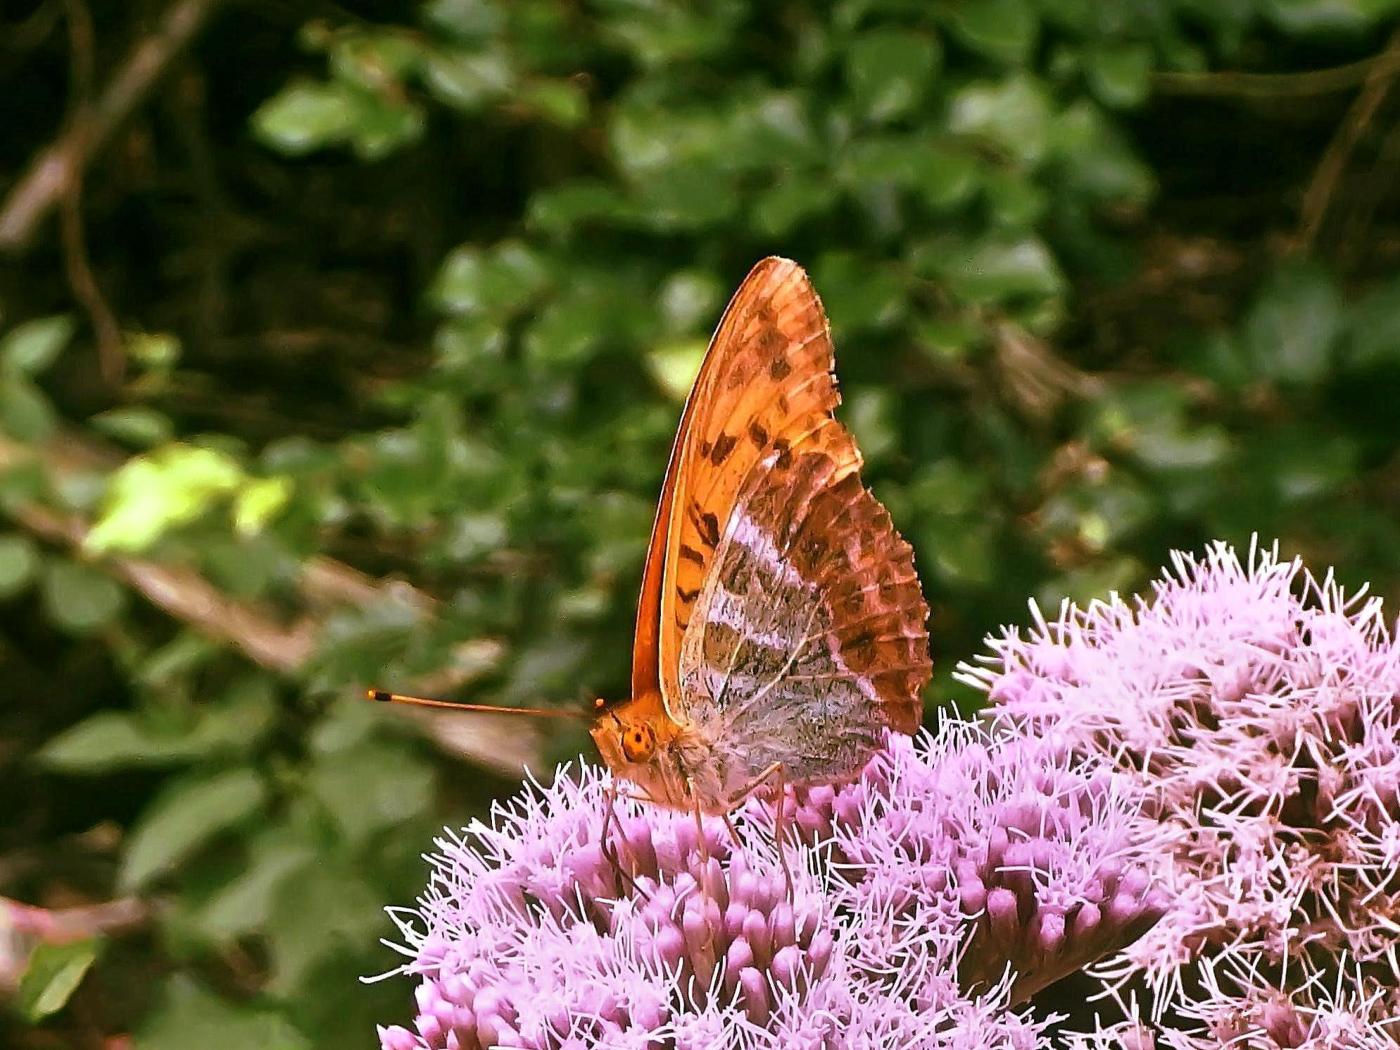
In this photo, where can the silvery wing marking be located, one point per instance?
(809, 637)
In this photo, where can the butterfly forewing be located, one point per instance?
(766, 380)
(780, 606)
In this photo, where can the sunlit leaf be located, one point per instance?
(51, 976)
(258, 502)
(306, 116)
(153, 493)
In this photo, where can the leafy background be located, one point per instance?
(348, 349)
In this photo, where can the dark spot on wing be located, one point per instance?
(689, 553)
(771, 343)
(709, 528)
(685, 596)
(780, 368)
(724, 444)
(757, 434)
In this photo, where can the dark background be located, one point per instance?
(347, 342)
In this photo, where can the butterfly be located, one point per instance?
(781, 629)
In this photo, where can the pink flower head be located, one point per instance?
(1257, 708)
(949, 881)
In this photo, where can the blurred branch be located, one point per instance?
(286, 648)
(1318, 198)
(1037, 380)
(65, 925)
(1277, 85)
(54, 171)
(24, 926)
(77, 264)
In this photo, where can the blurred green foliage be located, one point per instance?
(1071, 337)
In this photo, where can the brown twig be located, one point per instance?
(54, 170)
(30, 31)
(76, 262)
(1318, 198)
(286, 648)
(1037, 380)
(24, 926)
(1276, 85)
(66, 925)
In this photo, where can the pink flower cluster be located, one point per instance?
(1193, 796)
(1257, 709)
(952, 879)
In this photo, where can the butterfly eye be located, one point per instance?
(638, 743)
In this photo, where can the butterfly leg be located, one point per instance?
(776, 769)
(779, 829)
(609, 850)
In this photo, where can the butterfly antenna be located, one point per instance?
(383, 696)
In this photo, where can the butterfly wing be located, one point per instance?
(780, 606)
(766, 375)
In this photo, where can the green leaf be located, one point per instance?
(1095, 158)
(947, 176)
(675, 366)
(995, 271)
(890, 70)
(792, 199)
(1292, 329)
(19, 561)
(51, 976)
(153, 493)
(1003, 30)
(859, 295)
(184, 817)
(154, 351)
(1374, 329)
(469, 80)
(1013, 114)
(109, 740)
(306, 116)
(25, 412)
(690, 300)
(188, 1016)
(495, 283)
(560, 102)
(371, 787)
(258, 502)
(79, 598)
(1323, 17)
(32, 347)
(141, 427)
(1119, 75)
(870, 413)
(327, 910)
(245, 903)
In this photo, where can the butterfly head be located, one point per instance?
(636, 742)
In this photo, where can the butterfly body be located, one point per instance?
(781, 627)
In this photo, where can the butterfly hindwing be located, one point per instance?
(809, 639)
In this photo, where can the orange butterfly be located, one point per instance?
(781, 627)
